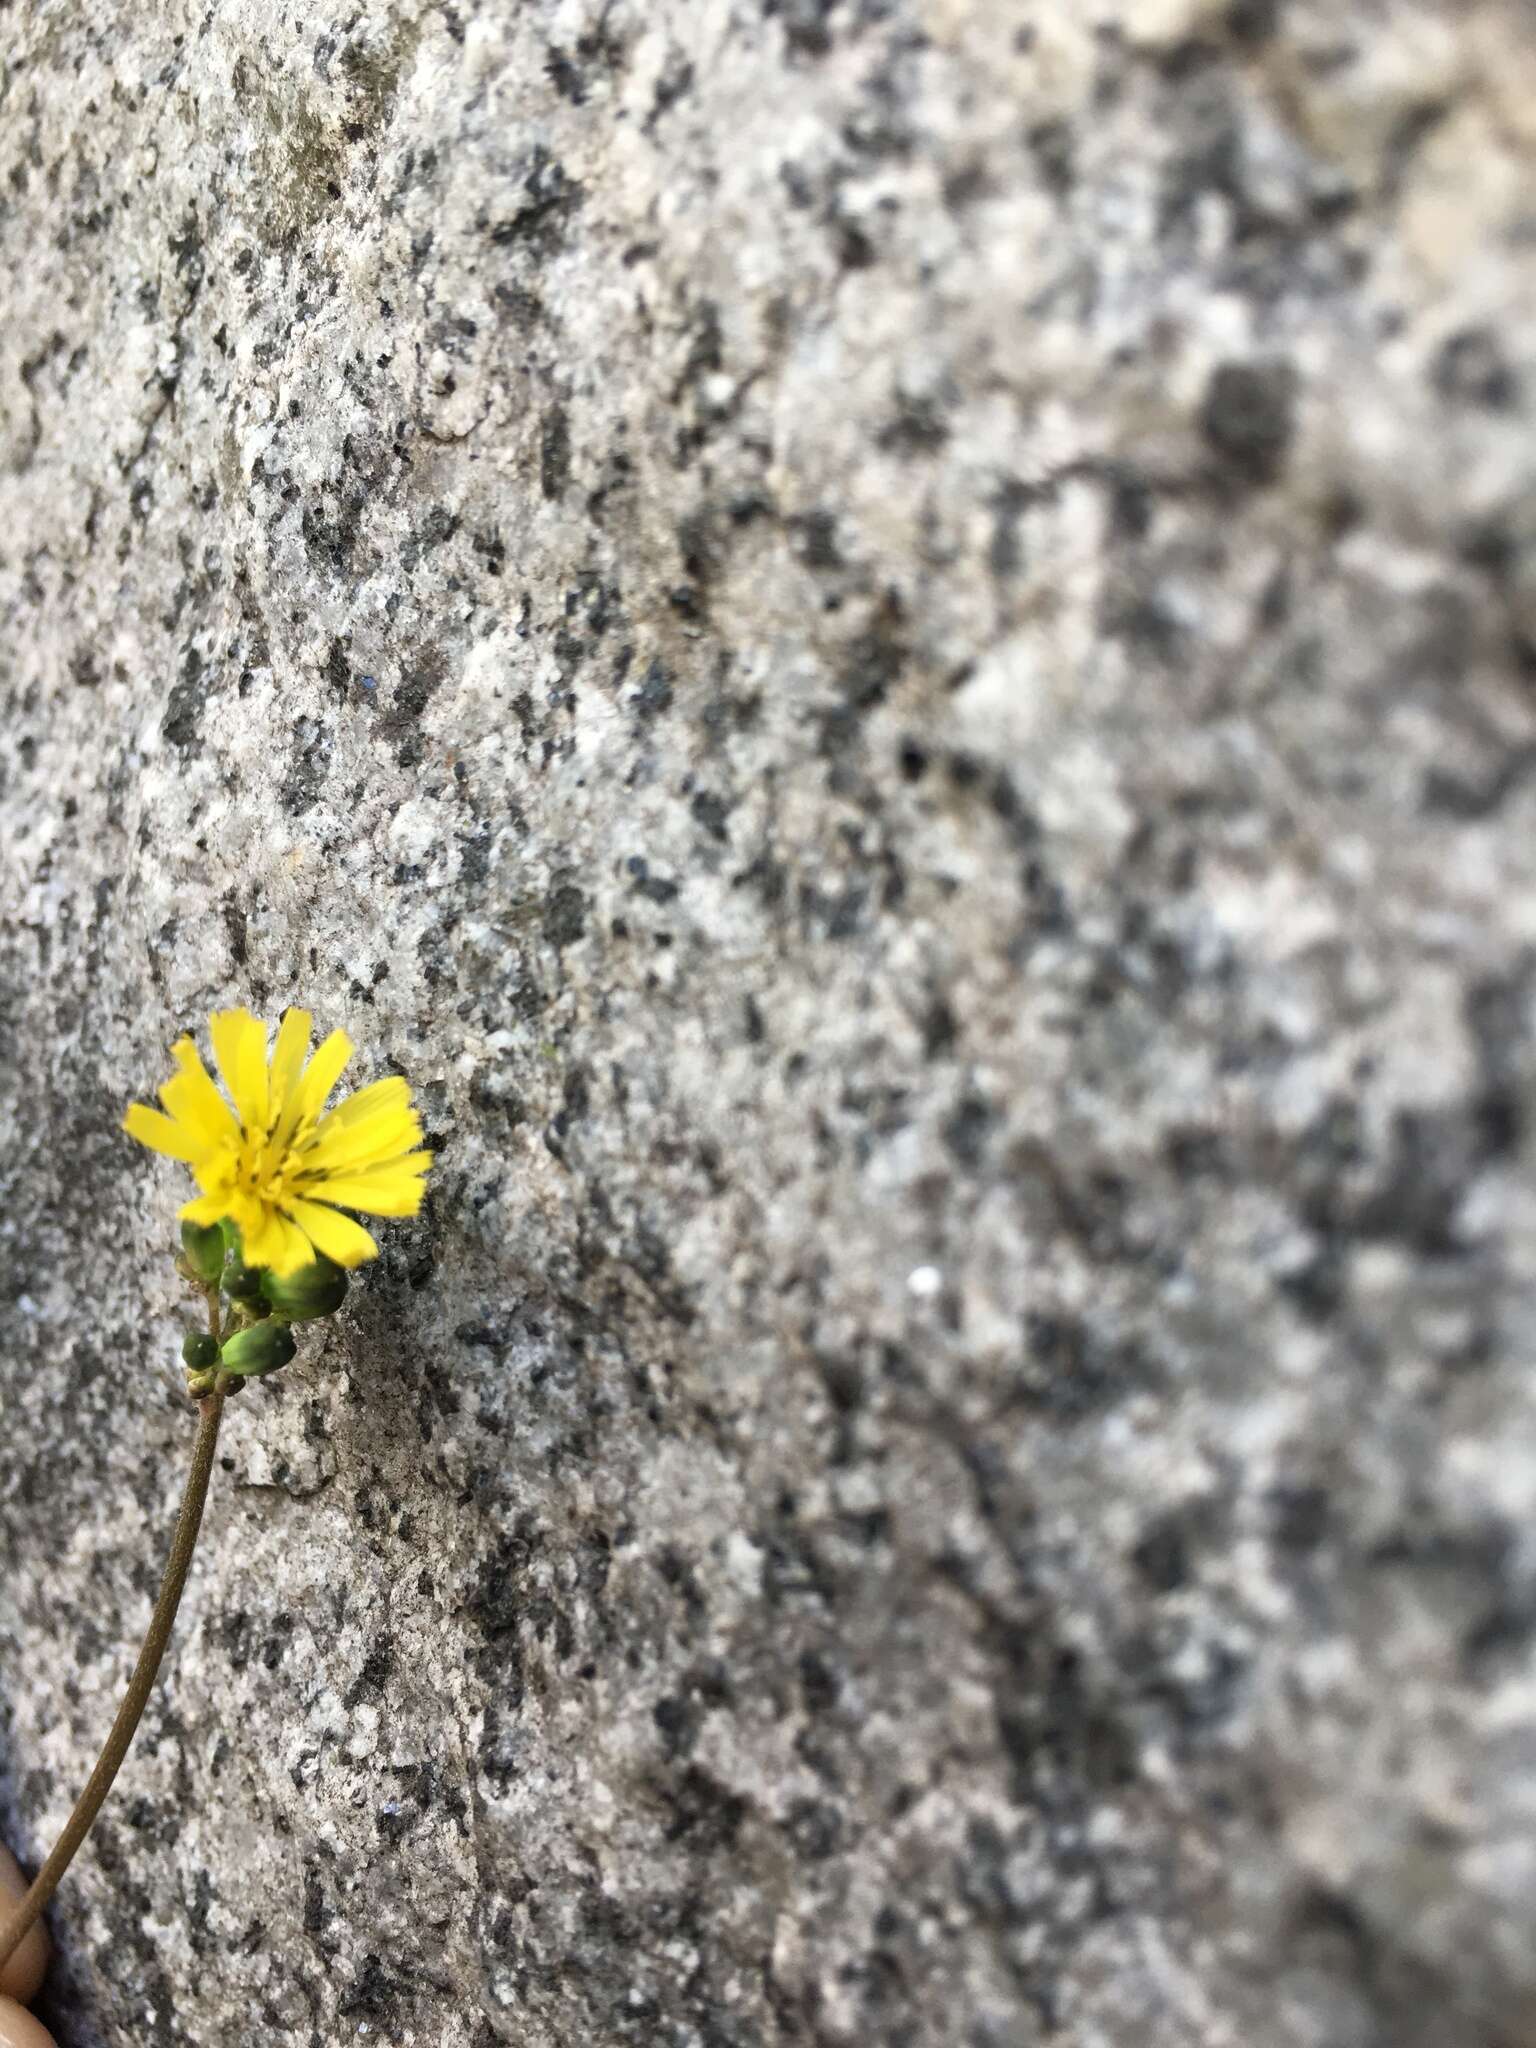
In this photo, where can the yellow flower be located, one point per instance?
(273, 1164)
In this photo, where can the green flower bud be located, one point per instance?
(259, 1350)
(316, 1290)
(203, 1251)
(199, 1351)
(241, 1282)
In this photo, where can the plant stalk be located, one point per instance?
(140, 1686)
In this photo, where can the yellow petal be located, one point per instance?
(382, 1137)
(269, 1238)
(292, 1249)
(390, 1093)
(321, 1075)
(260, 1235)
(188, 1106)
(163, 1134)
(392, 1190)
(287, 1062)
(212, 1174)
(192, 1098)
(240, 1047)
(332, 1233)
(204, 1209)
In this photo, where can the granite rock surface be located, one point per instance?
(890, 646)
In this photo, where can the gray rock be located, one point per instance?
(889, 646)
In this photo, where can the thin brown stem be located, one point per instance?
(135, 1699)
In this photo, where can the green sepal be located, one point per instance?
(315, 1290)
(203, 1251)
(199, 1351)
(259, 1350)
(241, 1282)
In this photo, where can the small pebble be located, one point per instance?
(23, 1974)
(18, 2029)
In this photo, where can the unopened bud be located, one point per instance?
(203, 1251)
(199, 1351)
(315, 1290)
(259, 1350)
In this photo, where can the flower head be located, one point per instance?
(274, 1165)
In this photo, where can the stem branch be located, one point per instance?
(136, 1698)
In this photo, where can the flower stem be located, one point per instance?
(136, 1698)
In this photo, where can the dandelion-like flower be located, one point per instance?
(274, 1165)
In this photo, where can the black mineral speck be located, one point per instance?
(182, 723)
(967, 1129)
(1054, 150)
(1248, 417)
(549, 198)
(807, 23)
(678, 1721)
(816, 532)
(1301, 1516)
(1470, 369)
(374, 1996)
(565, 915)
(371, 1679)
(655, 692)
(872, 664)
(712, 812)
(815, 1828)
(703, 1813)
(555, 452)
(235, 926)
(1253, 21)
(1162, 1555)
(820, 1685)
(411, 697)
(564, 76)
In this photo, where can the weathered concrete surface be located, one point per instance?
(889, 644)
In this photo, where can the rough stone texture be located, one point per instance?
(891, 646)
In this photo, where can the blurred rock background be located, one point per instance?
(890, 645)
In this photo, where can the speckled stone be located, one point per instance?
(890, 645)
